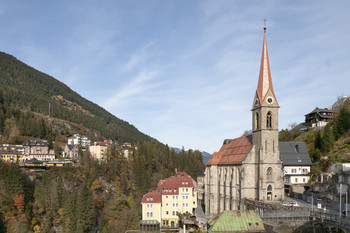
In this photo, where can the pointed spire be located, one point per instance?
(265, 81)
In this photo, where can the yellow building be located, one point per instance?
(11, 153)
(175, 195)
(98, 151)
(151, 206)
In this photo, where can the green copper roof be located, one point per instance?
(236, 221)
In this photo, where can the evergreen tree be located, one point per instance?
(327, 139)
(318, 141)
(342, 124)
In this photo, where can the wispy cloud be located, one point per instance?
(188, 78)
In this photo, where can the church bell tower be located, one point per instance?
(270, 185)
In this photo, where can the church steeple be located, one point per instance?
(265, 87)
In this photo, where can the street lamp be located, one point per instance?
(340, 202)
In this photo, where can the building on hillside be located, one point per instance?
(127, 150)
(11, 153)
(296, 165)
(98, 151)
(236, 221)
(71, 151)
(81, 140)
(249, 166)
(200, 188)
(175, 195)
(38, 149)
(319, 117)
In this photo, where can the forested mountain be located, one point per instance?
(25, 88)
(86, 196)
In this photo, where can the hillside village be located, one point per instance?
(162, 190)
(37, 153)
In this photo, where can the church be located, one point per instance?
(249, 166)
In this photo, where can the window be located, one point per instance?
(150, 214)
(174, 213)
(175, 190)
(304, 180)
(269, 120)
(257, 121)
(166, 212)
(269, 174)
(294, 170)
(166, 197)
(194, 203)
(296, 180)
(166, 204)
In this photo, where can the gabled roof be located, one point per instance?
(294, 153)
(233, 152)
(236, 221)
(320, 110)
(181, 179)
(152, 197)
(265, 80)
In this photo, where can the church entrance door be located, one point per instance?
(269, 193)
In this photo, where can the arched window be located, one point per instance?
(269, 173)
(269, 120)
(257, 120)
(269, 188)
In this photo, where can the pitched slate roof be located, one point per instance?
(294, 153)
(236, 221)
(233, 152)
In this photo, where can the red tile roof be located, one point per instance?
(232, 153)
(181, 179)
(152, 197)
(168, 187)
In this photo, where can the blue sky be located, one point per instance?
(185, 72)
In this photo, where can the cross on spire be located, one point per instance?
(265, 24)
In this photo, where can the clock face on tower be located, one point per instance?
(269, 100)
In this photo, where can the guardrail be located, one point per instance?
(285, 215)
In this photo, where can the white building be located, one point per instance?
(99, 150)
(296, 163)
(78, 139)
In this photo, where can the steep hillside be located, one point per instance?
(337, 105)
(24, 88)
